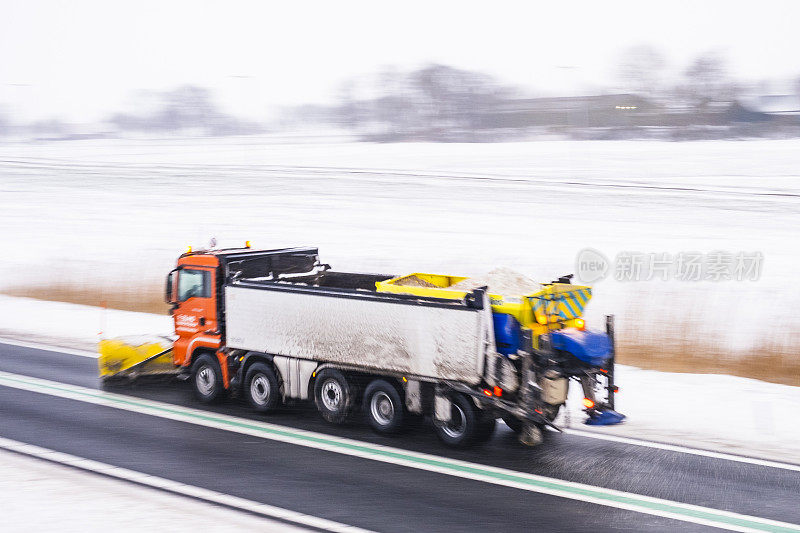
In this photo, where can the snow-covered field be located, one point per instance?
(716, 412)
(113, 215)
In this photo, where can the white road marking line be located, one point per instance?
(268, 511)
(49, 348)
(421, 461)
(684, 449)
(588, 434)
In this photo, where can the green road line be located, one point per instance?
(577, 491)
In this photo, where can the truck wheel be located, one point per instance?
(462, 429)
(384, 407)
(333, 395)
(207, 379)
(486, 429)
(551, 411)
(261, 387)
(514, 423)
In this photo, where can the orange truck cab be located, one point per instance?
(192, 291)
(195, 291)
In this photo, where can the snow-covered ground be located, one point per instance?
(716, 412)
(49, 497)
(73, 326)
(114, 214)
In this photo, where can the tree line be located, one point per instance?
(443, 103)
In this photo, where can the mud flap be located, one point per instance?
(442, 409)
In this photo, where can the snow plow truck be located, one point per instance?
(278, 326)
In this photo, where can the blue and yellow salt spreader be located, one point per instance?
(549, 324)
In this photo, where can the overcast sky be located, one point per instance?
(82, 59)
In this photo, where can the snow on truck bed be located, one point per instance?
(503, 281)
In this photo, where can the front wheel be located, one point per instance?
(384, 407)
(462, 429)
(207, 379)
(261, 387)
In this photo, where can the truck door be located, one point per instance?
(196, 310)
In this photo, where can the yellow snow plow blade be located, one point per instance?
(135, 356)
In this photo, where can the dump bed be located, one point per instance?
(417, 336)
(552, 301)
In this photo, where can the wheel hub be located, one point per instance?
(332, 395)
(260, 389)
(382, 408)
(205, 381)
(457, 424)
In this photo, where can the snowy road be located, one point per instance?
(367, 489)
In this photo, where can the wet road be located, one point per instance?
(376, 494)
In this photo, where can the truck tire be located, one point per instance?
(462, 429)
(207, 379)
(514, 423)
(486, 429)
(261, 387)
(551, 411)
(384, 407)
(333, 395)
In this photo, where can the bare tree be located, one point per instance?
(348, 110)
(182, 109)
(434, 102)
(707, 83)
(187, 107)
(641, 71)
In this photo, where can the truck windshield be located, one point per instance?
(193, 284)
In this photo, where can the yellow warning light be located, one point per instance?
(188, 249)
(247, 244)
(405, 379)
(541, 319)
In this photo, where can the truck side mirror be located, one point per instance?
(169, 293)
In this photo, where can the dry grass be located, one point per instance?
(148, 299)
(675, 348)
(774, 363)
(679, 338)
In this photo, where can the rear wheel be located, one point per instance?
(462, 428)
(261, 387)
(207, 379)
(384, 407)
(551, 411)
(514, 423)
(486, 429)
(333, 395)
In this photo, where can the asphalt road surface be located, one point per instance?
(397, 489)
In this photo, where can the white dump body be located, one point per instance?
(444, 342)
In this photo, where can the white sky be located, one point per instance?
(82, 59)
